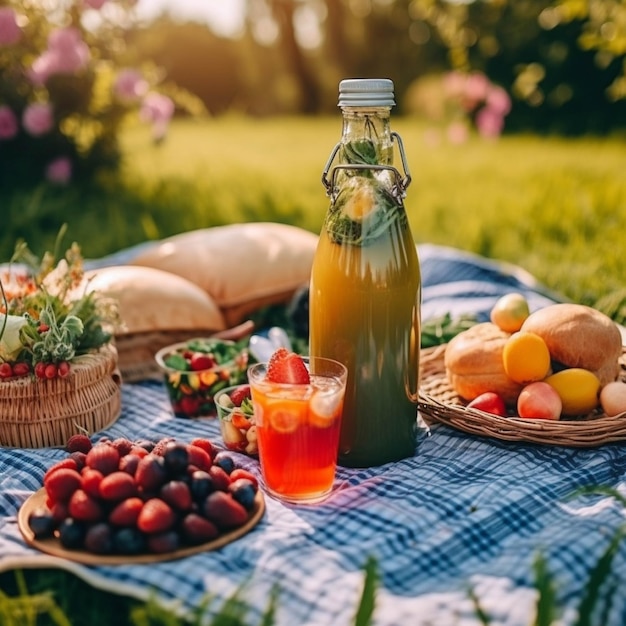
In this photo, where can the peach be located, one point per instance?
(539, 400)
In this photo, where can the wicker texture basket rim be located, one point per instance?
(37, 413)
(438, 402)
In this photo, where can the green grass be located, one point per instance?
(556, 207)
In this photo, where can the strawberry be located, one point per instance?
(221, 479)
(90, 481)
(66, 463)
(176, 493)
(224, 511)
(242, 473)
(155, 516)
(117, 486)
(199, 458)
(78, 443)
(205, 444)
(287, 367)
(126, 512)
(197, 529)
(239, 394)
(103, 457)
(200, 361)
(84, 507)
(62, 483)
(129, 463)
(151, 472)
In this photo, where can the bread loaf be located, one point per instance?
(579, 336)
(473, 361)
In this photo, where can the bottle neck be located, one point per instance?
(369, 124)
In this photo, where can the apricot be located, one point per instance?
(526, 358)
(578, 389)
(540, 401)
(509, 312)
(613, 398)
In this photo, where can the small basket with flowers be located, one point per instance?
(58, 365)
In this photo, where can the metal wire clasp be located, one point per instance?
(401, 182)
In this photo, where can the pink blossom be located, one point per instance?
(10, 31)
(130, 85)
(157, 109)
(8, 123)
(498, 100)
(489, 122)
(454, 84)
(37, 118)
(67, 53)
(457, 132)
(476, 88)
(94, 4)
(59, 171)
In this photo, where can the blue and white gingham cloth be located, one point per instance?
(462, 512)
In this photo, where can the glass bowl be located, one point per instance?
(237, 422)
(195, 370)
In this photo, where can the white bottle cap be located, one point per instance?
(366, 92)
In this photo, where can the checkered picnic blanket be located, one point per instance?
(463, 513)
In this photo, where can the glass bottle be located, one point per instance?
(365, 290)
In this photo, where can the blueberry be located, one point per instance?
(72, 534)
(244, 492)
(225, 462)
(99, 539)
(129, 541)
(176, 458)
(42, 523)
(201, 485)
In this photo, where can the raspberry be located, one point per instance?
(103, 457)
(155, 517)
(122, 445)
(117, 486)
(78, 443)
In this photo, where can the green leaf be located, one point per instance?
(544, 584)
(366, 606)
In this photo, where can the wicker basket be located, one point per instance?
(37, 413)
(439, 403)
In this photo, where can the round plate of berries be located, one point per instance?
(122, 501)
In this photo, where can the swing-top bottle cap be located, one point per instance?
(366, 92)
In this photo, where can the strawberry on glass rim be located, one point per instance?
(287, 368)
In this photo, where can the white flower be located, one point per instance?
(10, 344)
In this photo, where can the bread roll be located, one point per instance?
(473, 361)
(149, 300)
(579, 336)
